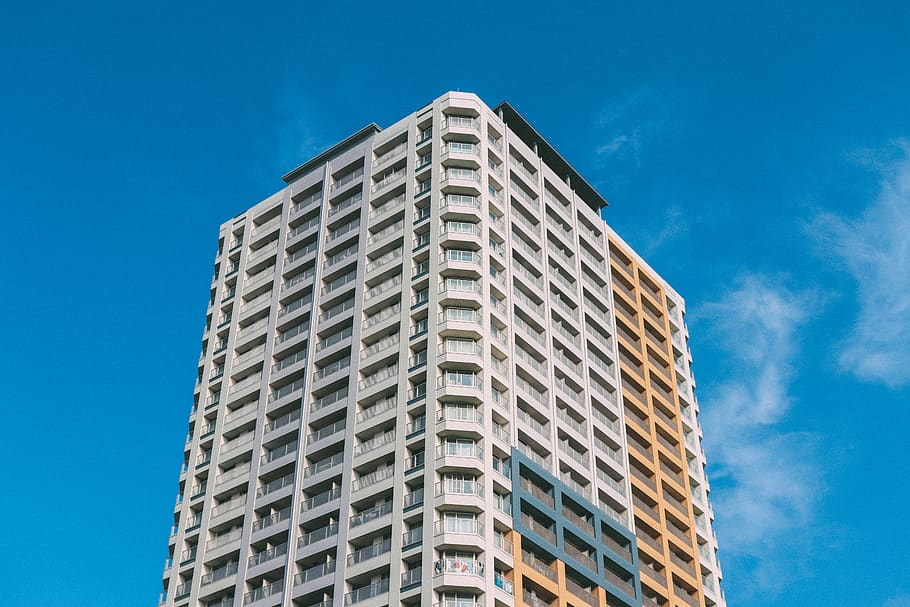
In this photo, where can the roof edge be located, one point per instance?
(529, 135)
(361, 135)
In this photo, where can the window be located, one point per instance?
(459, 522)
(460, 314)
(459, 447)
(461, 255)
(460, 345)
(461, 227)
(460, 378)
(460, 483)
(460, 284)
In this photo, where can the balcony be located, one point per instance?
(302, 278)
(411, 577)
(455, 384)
(235, 504)
(272, 519)
(532, 600)
(275, 485)
(369, 552)
(286, 390)
(539, 528)
(338, 366)
(532, 422)
(581, 556)
(346, 179)
(394, 229)
(372, 478)
(323, 465)
(412, 538)
(321, 499)
(454, 528)
(460, 123)
(384, 344)
(414, 463)
(374, 443)
(371, 514)
(464, 493)
(413, 499)
(543, 495)
(273, 589)
(317, 535)
(267, 555)
(219, 574)
(460, 419)
(385, 314)
(585, 594)
(282, 421)
(366, 592)
(458, 566)
(379, 376)
(377, 408)
(539, 566)
(583, 490)
(314, 573)
(390, 178)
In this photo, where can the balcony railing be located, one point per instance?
(457, 525)
(458, 566)
(275, 485)
(539, 528)
(282, 421)
(538, 565)
(260, 593)
(321, 499)
(366, 592)
(326, 432)
(461, 121)
(372, 514)
(219, 574)
(330, 530)
(272, 519)
(267, 555)
(413, 498)
(323, 465)
(412, 577)
(541, 494)
(459, 487)
(314, 573)
(369, 552)
(372, 478)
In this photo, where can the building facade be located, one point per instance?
(431, 374)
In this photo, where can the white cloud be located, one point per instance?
(626, 125)
(300, 136)
(898, 601)
(875, 250)
(675, 224)
(765, 479)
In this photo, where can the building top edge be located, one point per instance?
(529, 135)
(358, 137)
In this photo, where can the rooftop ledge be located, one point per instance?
(514, 121)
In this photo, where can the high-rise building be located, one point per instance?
(431, 374)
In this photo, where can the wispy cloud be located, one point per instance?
(765, 478)
(627, 125)
(875, 250)
(300, 134)
(898, 601)
(298, 131)
(675, 225)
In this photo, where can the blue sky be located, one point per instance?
(757, 153)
